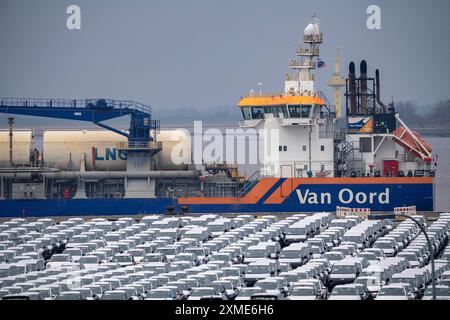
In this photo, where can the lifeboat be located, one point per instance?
(413, 142)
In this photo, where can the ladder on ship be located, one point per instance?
(249, 184)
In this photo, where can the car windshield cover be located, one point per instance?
(368, 281)
(257, 269)
(122, 258)
(159, 294)
(302, 292)
(256, 253)
(248, 292)
(383, 245)
(289, 254)
(391, 291)
(59, 258)
(295, 231)
(343, 269)
(198, 252)
(267, 285)
(168, 251)
(114, 295)
(442, 292)
(344, 291)
(199, 292)
(88, 260)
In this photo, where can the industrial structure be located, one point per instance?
(337, 82)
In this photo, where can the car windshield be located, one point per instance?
(267, 285)
(114, 295)
(227, 285)
(368, 281)
(59, 258)
(198, 252)
(122, 258)
(409, 281)
(73, 252)
(216, 227)
(159, 294)
(290, 254)
(442, 292)
(391, 291)
(343, 269)
(88, 260)
(409, 257)
(344, 291)
(168, 251)
(69, 296)
(183, 257)
(248, 292)
(264, 298)
(153, 258)
(221, 257)
(383, 245)
(4, 273)
(199, 292)
(257, 269)
(295, 231)
(333, 256)
(369, 256)
(256, 253)
(231, 272)
(302, 292)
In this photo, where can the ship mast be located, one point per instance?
(302, 83)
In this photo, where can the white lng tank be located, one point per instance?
(65, 149)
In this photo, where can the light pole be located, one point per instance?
(431, 249)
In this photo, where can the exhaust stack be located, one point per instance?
(363, 94)
(352, 87)
(377, 77)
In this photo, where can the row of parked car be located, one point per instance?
(212, 257)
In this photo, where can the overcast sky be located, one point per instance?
(206, 54)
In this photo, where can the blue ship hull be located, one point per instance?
(269, 195)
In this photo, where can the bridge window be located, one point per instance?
(257, 113)
(305, 110)
(300, 111)
(246, 113)
(294, 111)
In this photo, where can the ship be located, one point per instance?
(325, 156)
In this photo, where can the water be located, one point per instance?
(441, 147)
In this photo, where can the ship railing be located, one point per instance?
(310, 38)
(306, 64)
(308, 51)
(139, 145)
(96, 103)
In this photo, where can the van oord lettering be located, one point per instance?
(344, 196)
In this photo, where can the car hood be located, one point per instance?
(301, 298)
(344, 298)
(391, 298)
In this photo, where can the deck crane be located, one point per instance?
(140, 147)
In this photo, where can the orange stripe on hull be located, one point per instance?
(290, 184)
(255, 194)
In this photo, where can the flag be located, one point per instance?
(321, 64)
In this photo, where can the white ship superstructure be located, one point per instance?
(300, 114)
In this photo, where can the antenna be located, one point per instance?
(260, 88)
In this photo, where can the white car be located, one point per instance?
(396, 291)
